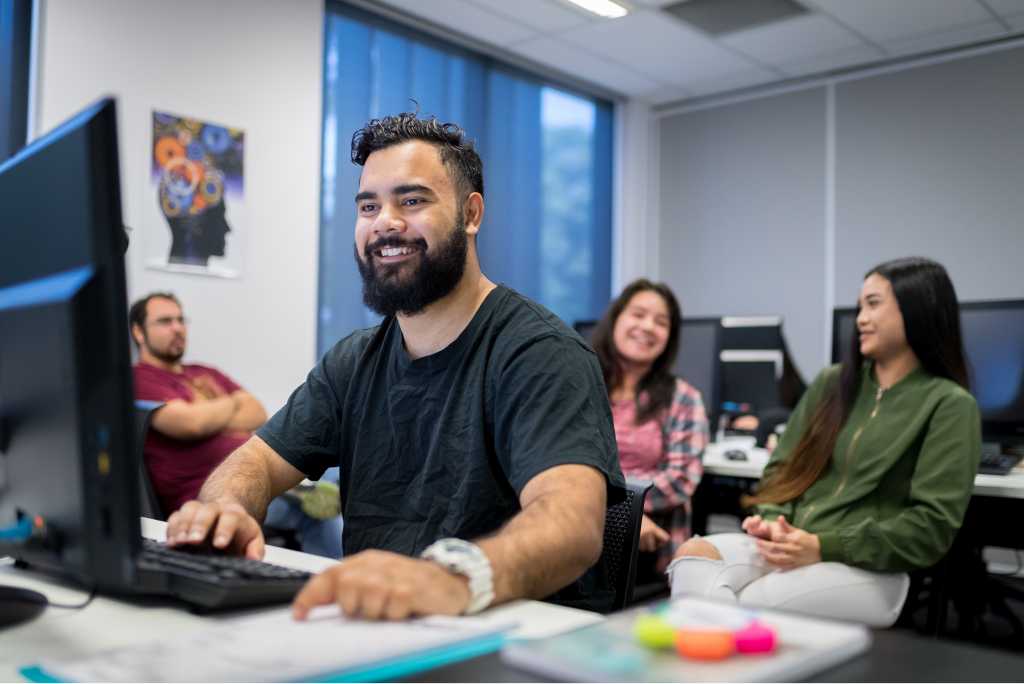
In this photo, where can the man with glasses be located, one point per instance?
(206, 417)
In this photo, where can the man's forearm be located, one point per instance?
(552, 541)
(247, 477)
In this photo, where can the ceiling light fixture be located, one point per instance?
(604, 8)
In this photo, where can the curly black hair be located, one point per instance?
(457, 154)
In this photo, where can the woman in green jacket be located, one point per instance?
(873, 474)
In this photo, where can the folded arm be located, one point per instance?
(193, 421)
(250, 414)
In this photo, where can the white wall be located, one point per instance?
(742, 214)
(251, 64)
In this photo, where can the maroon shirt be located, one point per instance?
(178, 469)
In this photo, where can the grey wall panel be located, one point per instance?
(930, 161)
(742, 214)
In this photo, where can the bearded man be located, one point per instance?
(206, 416)
(472, 428)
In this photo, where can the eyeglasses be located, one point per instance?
(168, 321)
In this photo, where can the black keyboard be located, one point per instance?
(998, 464)
(211, 581)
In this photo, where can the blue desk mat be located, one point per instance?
(377, 672)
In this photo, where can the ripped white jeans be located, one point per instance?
(833, 590)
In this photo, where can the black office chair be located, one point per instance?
(150, 505)
(929, 590)
(622, 541)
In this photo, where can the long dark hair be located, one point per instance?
(658, 383)
(931, 319)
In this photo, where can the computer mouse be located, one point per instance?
(19, 605)
(736, 455)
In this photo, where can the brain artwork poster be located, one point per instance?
(195, 204)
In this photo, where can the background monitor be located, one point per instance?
(993, 333)
(68, 495)
(700, 343)
(752, 363)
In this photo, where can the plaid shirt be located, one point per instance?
(677, 469)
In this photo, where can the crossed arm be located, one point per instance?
(192, 421)
(552, 541)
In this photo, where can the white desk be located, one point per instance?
(715, 463)
(109, 623)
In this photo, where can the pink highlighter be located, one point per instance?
(755, 638)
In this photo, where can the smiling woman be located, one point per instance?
(661, 426)
(872, 476)
(547, 227)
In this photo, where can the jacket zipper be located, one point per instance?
(849, 452)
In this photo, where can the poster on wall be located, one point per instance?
(195, 201)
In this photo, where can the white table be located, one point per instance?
(108, 622)
(715, 463)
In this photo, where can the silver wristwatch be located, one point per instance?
(463, 558)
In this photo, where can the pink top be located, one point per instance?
(667, 450)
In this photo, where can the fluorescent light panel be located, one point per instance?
(604, 8)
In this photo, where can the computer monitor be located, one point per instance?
(700, 343)
(68, 495)
(993, 333)
(752, 363)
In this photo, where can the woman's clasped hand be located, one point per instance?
(782, 545)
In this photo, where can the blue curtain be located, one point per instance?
(546, 153)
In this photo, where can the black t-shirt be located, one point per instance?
(443, 445)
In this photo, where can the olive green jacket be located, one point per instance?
(895, 491)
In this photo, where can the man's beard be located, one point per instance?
(385, 290)
(167, 356)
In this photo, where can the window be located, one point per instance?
(547, 165)
(15, 47)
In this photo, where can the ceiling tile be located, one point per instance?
(832, 61)
(947, 39)
(468, 19)
(659, 45)
(542, 15)
(888, 20)
(793, 39)
(588, 66)
(1006, 8)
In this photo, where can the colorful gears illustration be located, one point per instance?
(181, 176)
(212, 190)
(171, 204)
(196, 150)
(166, 149)
(217, 139)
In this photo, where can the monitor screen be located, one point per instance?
(68, 493)
(700, 343)
(994, 344)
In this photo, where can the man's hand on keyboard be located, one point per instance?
(234, 531)
(383, 585)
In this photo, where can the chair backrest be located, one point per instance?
(150, 505)
(622, 540)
